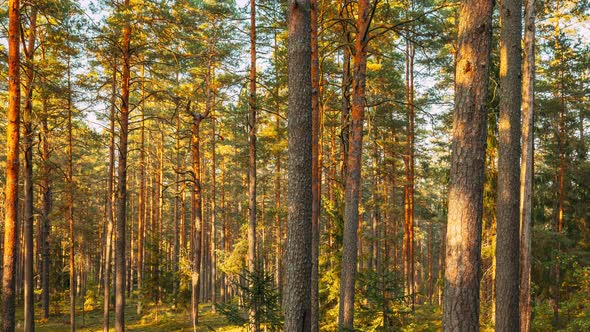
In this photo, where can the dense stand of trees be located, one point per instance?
(297, 165)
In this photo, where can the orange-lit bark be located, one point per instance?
(120, 255)
(12, 166)
(353, 170)
(463, 236)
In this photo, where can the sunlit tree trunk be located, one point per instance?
(12, 166)
(28, 135)
(463, 237)
(508, 191)
(197, 217)
(141, 198)
(315, 168)
(526, 168)
(298, 263)
(353, 170)
(70, 202)
(213, 220)
(122, 180)
(110, 202)
(408, 240)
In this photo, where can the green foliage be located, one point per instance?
(258, 291)
(380, 301)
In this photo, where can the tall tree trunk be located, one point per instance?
(252, 264)
(408, 244)
(122, 180)
(315, 168)
(12, 166)
(70, 203)
(142, 198)
(110, 202)
(345, 87)
(46, 198)
(298, 263)
(213, 211)
(198, 217)
(463, 238)
(353, 170)
(508, 220)
(526, 168)
(28, 135)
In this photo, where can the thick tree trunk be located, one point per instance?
(122, 181)
(463, 238)
(252, 264)
(353, 170)
(298, 263)
(526, 168)
(12, 166)
(110, 203)
(508, 192)
(315, 168)
(28, 135)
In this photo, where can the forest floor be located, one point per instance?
(154, 319)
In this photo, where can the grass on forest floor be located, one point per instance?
(154, 319)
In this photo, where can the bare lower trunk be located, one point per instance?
(12, 166)
(28, 135)
(252, 264)
(526, 168)
(298, 263)
(110, 205)
(353, 171)
(315, 168)
(463, 237)
(120, 256)
(508, 220)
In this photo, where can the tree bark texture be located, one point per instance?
(298, 264)
(28, 135)
(252, 263)
(463, 238)
(315, 168)
(508, 191)
(122, 181)
(526, 168)
(12, 166)
(353, 170)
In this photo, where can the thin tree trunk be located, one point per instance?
(28, 135)
(110, 203)
(141, 203)
(45, 211)
(253, 311)
(122, 180)
(198, 217)
(70, 205)
(463, 238)
(508, 224)
(298, 263)
(353, 172)
(526, 168)
(409, 260)
(315, 168)
(213, 228)
(12, 165)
